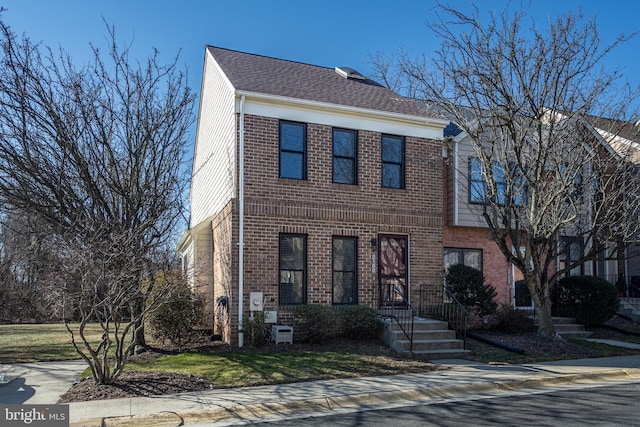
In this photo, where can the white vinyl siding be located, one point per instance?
(468, 214)
(213, 180)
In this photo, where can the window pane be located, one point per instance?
(451, 257)
(292, 252)
(291, 293)
(343, 171)
(345, 270)
(292, 136)
(391, 175)
(344, 254)
(344, 288)
(473, 258)
(344, 143)
(392, 149)
(292, 269)
(291, 165)
(476, 192)
(475, 170)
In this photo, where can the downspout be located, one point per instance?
(241, 226)
(456, 181)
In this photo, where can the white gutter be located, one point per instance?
(241, 226)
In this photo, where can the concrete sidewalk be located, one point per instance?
(245, 404)
(43, 383)
(38, 383)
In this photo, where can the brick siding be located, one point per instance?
(321, 209)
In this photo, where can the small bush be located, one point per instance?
(177, 319)
(313, 323)
(589, 299)
(467, 284)
(359, 322)
(255, 329)
(512, 320)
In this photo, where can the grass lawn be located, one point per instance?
(48, 342)
(236, 369)
(40, 342)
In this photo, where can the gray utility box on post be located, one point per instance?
(282, 333)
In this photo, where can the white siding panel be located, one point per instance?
(213, 179)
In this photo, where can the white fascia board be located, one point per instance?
(341, 116)
(185, 242)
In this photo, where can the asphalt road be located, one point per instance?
(606, 405)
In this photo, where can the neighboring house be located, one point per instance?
(621, 140)
(466, 238)
(310, 185)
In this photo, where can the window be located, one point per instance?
(569, 253)
(293, 150)
(478, 187)
(345, 164)
(468, 257)
(293, 269)
(392, 161)
(345, 270)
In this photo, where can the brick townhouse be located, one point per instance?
(310, 185)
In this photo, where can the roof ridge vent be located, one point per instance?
(349, 73)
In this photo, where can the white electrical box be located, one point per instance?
(282, 333)
(270, 317)
(255, 301)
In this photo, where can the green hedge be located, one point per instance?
(467, 284)
(315, 323)
(589, 299)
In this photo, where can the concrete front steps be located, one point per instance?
(432, 339)
(567, 327)
(630, 307)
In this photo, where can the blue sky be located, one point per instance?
(327, 32)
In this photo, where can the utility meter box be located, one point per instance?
(282, 333)
(256, 301)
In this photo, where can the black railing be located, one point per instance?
(402, 314)
(628, 287)
(438, 302)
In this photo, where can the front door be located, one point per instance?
(393, 270)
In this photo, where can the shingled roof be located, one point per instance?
(265, 75)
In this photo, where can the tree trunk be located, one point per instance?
(542, 303)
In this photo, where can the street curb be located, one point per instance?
(360, 400)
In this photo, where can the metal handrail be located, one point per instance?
(442, 304)
(403, 318)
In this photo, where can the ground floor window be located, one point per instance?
(293, 269)
(468, 257)
(345, 268)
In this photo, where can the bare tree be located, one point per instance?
(96, 152)
(547, 171)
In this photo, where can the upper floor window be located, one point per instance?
(478, 187)
(293, 150)
(345, 163)
(293, 269)
(393, 164)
